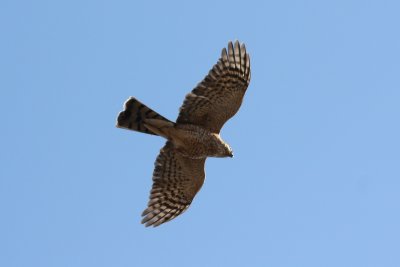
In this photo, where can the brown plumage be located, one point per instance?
(179, 168)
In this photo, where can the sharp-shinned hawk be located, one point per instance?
(179, 168)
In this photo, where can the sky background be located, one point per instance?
(316, 176)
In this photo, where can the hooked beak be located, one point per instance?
(231, 155)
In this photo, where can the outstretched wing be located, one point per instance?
(219, 96)
(176, 180)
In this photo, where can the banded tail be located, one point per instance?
(138, 117)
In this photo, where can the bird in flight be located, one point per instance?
(179, 168)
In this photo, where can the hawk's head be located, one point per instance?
(228, 152)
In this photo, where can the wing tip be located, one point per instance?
(235, 56)
(233, 46)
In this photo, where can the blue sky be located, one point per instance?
(316, 176)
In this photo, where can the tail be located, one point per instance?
(138, 117)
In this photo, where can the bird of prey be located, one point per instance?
(179, 168)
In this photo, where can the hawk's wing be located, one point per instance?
(176, 180)
(219, 96)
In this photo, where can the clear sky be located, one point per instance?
(316, 176)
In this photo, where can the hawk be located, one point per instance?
(179, 168)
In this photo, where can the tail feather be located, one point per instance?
(134, 115)
(160, 127)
